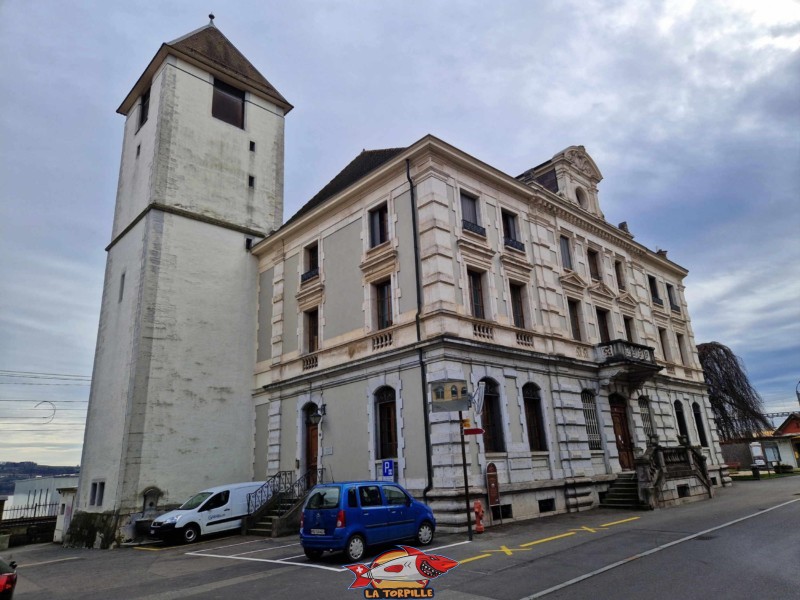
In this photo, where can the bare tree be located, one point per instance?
(738, 408)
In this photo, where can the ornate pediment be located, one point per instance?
(601, 290)
(572, 280)
(626, 300)
(581, 161)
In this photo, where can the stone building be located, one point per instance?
(222, 331)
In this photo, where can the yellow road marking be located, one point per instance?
(466, 560)
(589, 529)
(507, 551)
(550, 539)
(148, 549)
(618, 522)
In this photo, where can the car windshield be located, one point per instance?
(324, 497)
(5, 567)
(195, 501)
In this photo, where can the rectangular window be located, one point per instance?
(654, 290)
(378, 226)
(312, 330)
(93, 494)
(574, 307)
(310, 263)
(469, 208)
(673, 303)
(252, 146)
(602, 325)
(662, 338)
(681, 347)
(509, 225)
(228, 104)
(517, 304)
(144, 108)
(647, 416)
(383, 299)
(619, 272)
(476, 294)
(566, 254)
(251, 181)
(594, 264)
(629, 329)
(101, 489)
(387, 432)
(592, 424)
(121, 287)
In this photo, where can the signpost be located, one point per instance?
(451, 395)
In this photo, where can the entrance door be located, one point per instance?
(622, 434)
(312, 442)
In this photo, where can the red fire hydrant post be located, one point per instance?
(479, 528)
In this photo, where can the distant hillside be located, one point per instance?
(12, 471)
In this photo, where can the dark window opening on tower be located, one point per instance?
(228, 104)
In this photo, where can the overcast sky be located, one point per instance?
(690, 109)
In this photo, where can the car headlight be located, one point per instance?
(171, 520)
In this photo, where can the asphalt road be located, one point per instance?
(742, 544)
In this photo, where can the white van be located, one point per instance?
(216, 509)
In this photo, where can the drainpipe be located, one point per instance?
(420, 353)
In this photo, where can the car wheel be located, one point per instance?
(355, 548)
(312, 553)
(190, 533)
(425, 534)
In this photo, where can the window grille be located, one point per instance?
(647, 417)
(592, 424)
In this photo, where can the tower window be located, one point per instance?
(144, 108)
(228, 104)
(252, 146)
(251, 181)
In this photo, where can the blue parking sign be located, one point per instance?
(388, 469)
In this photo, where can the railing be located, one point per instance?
(310, 274)
(382, 340)
(310, 362)
(29, 514)
(623, 350)
(473, 227)
(515, 244)
(485, 332)
(283, 484)
(659, 463)
(525, 339)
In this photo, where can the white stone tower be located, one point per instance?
(201, 179)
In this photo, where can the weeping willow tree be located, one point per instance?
(738, 409)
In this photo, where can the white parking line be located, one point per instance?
(48, 562)
(449, 546)
(267, 549)
(266, 560)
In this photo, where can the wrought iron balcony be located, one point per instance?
(473, 227)
(310, 274)
(658, 301)
(515, 244)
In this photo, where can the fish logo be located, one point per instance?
(407, 568)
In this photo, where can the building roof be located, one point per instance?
(209, 48)
(790, 427)
(361, 165)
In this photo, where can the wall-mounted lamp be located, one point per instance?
(316, 417)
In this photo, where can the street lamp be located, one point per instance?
(797, 392)
(316, 417)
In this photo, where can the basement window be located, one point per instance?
(547, 505)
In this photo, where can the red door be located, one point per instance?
(622, 434)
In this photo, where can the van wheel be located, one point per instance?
(355, 548)
(425, 533)
(312, 553)
(190, 533)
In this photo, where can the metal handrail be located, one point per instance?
(262, 495)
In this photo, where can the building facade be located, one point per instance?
(424, 265)
(222, 331)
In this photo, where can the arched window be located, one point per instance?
(679, 416)
(491, 419)
(532, 399)
(592, 425)
(386, 423)
(698, 423)
(647, 416)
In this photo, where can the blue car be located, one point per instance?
(352, 515)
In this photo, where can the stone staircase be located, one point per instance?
(264, 525)
(624, 493)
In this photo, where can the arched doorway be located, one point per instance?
(311, 442)
(622, 433)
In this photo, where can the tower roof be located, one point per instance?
(209, 49)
